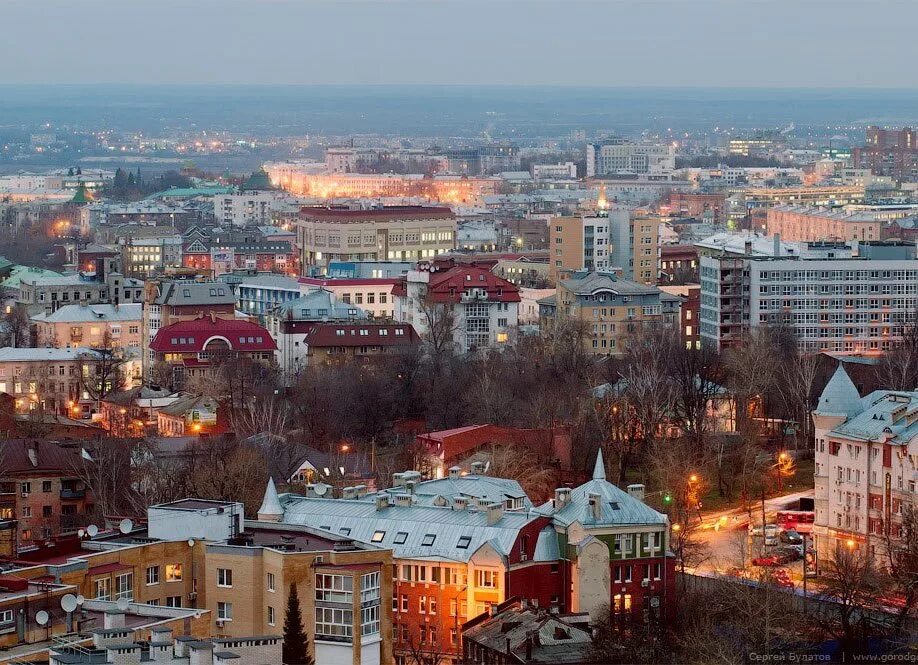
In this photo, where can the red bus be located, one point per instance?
(800, 521)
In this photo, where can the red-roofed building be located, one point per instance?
(190, 346)
(479, 307)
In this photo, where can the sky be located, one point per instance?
(706, 43)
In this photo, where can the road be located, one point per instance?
(726, 535)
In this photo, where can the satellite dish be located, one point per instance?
(81, 599)
(321, 489)
(41, 617)
(69, 603)
(92, 530)
(191, 542)
(197, 615)
(126, 526)
(81, 532)
(123, 604)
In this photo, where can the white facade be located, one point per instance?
(253, 208)
(623, 156)
(554, 171)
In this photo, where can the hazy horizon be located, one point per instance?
(754, 44)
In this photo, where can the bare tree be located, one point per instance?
(440, 327)
(524, 466)
(901, 550)
(14, 327)
(102, 370)
(898, 368)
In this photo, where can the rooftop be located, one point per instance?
(194, 336)
(90, 313)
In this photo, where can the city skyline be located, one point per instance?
(503, 43)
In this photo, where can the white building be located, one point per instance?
(251, 208)
(866, 467)
(567, 170)
(615, 156)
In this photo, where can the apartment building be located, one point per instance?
(465, 543)
(48, 292)
(866, 467)
(889, 152)
(846, 304)
(374, 295)
(50, 380)
(235, 576)
(578, 243)
(395, 233)
(148, 254)
(170, 301)
(42, 492)
(258, 294)
(810, 224)
(621, 156)
(610, 309)
(483, 307)
(95, 326)
(189, 347)
(249, 208)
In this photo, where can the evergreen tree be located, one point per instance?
(79, 170)
(70, 171)
(296, 642)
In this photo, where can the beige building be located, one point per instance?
(395, 233)
(96, 326)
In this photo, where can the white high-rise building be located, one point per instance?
(621, 156)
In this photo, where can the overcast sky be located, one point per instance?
(825, 43)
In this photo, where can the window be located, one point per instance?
(102, 589)
(369, 620)
(173, 601)
(124, 586)
(463, 543)
(152, 575)
(333, 622)
(334, 588)
(272, 619)
(225, 611)
(428, 540)
(378, 537)
(6, 616)
(224, 577)
(400, 537)
(46, 486)
(486, 579)
(25, 488)
(271, 583)
(173, 572)
(369, 587)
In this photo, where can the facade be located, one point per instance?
(611, 309)
(689, 311)
(150, 254)
(258, 294)
(678, 263)
(190, 415)
(47, 293)
(811, 224)
(866, 461)
(249, 208)
(463, 544)
(372, 294)
(95, 326)
(619, 156)
(190, 347)
(220, 256)
(395, 233)
(41, 490)
(578, 243)
(891, 153)
(708, 207)
(836, 305)
(475, 306)
(554, 171)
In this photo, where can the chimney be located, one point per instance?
(349, 493)
(403, 500)
(495, 512)
(636, 491)
(595, 505)
(454, 472)
(747, 248)
(411, 484)
(478, 468)
(161, 635)
(460, 503)
(562, 497)
(33, 453)
(529, 646)
(777, 244)
(382, 501)
(113, 619)
(360, 490)
(398, 479)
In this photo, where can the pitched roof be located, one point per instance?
(195, 293)
(48, 457)
(596, 281)
(271, 504)
(884, 415)
(374, 214)
(194, 335)
(89, 313)
(840, 396)
(311, 305)
(433, 492)
(450, 285)
(183, 406)
(16, 354)
(331, 334)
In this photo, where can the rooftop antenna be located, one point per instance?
(126, 526)
(123, 604)
(42, 618)
(69, 603)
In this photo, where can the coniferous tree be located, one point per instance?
(296, 642)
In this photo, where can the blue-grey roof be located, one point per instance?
(309, 305)
(547, 546)
(495, 490)
(840, 396)
(447, 526)
(883, 414)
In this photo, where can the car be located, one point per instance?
(791, 537)
(792, 552)
(766, 561)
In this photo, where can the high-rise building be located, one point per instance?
(889, 152)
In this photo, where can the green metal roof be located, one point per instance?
(190, 192)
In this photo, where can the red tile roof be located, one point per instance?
(449, 285)
(193, 336)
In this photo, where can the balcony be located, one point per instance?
(71, 494)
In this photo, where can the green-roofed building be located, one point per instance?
(82, 195)
(259, 180)
(191, 192)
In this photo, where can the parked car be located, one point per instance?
(791, 537)
(789, 552)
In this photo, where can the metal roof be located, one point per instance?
(884, 415)
(840, 396)
(89, 313)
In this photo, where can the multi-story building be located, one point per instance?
(689, 311)
(235, 576)
(50, 379)
(474, 306)
(812, 224)
(41, 488)
(150, 254)
(708, 207)
(95, 326)
(866, 467)
(621, 156)
(373, 294)
(635, 244)
(889, 152)
(400, 233)
(567, 170)
(610, 309)
(258, 294)
(220, 256)
(189, 347)
(47, 293)
(465, 543)
(678, 263)
(578, 243)
(167, 302)
(846, 304)
(250, 208)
